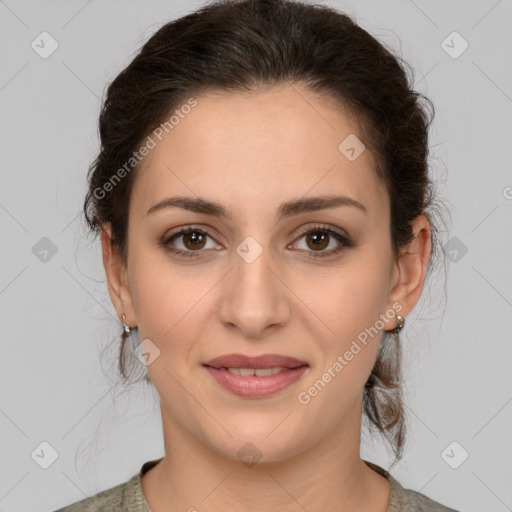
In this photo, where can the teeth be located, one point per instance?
(259, 372)
(264, 372)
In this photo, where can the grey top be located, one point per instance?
(128, 497)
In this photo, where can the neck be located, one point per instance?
(328, 476)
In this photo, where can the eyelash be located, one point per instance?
(344, 241)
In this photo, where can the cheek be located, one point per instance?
(165, 305)
(350, 303)
(171, 303)
(350, 300)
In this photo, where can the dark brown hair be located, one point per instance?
(236, 46)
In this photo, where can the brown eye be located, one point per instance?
(188, 242)
(194, 240)
(317, 240)
(322, 242)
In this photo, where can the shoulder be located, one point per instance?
(413, 501)
(123, 497)
(407, 500)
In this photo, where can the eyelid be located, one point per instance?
(325, 227)
(344, 242)
(319, 226)
(165, 242)
(342, 237)
(203, 228)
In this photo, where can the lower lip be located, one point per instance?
(253, 386)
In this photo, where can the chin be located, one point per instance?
(253, 445)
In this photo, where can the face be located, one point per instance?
(279, 274)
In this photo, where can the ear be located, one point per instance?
(410, 270)
(117, 277)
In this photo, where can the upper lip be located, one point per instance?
(263, 361)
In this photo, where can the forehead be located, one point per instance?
(267, 145)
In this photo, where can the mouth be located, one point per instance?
(255, 377)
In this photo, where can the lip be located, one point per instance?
(253, 386)
(263, 361)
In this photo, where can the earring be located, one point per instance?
(400, 322)
(127, 329)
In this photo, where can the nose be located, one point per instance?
(254, 297)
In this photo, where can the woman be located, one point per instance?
(263, 199)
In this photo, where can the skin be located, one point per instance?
(269, 146)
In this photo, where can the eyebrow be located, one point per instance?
(286, 209)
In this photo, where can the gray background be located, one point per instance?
(56, 312)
